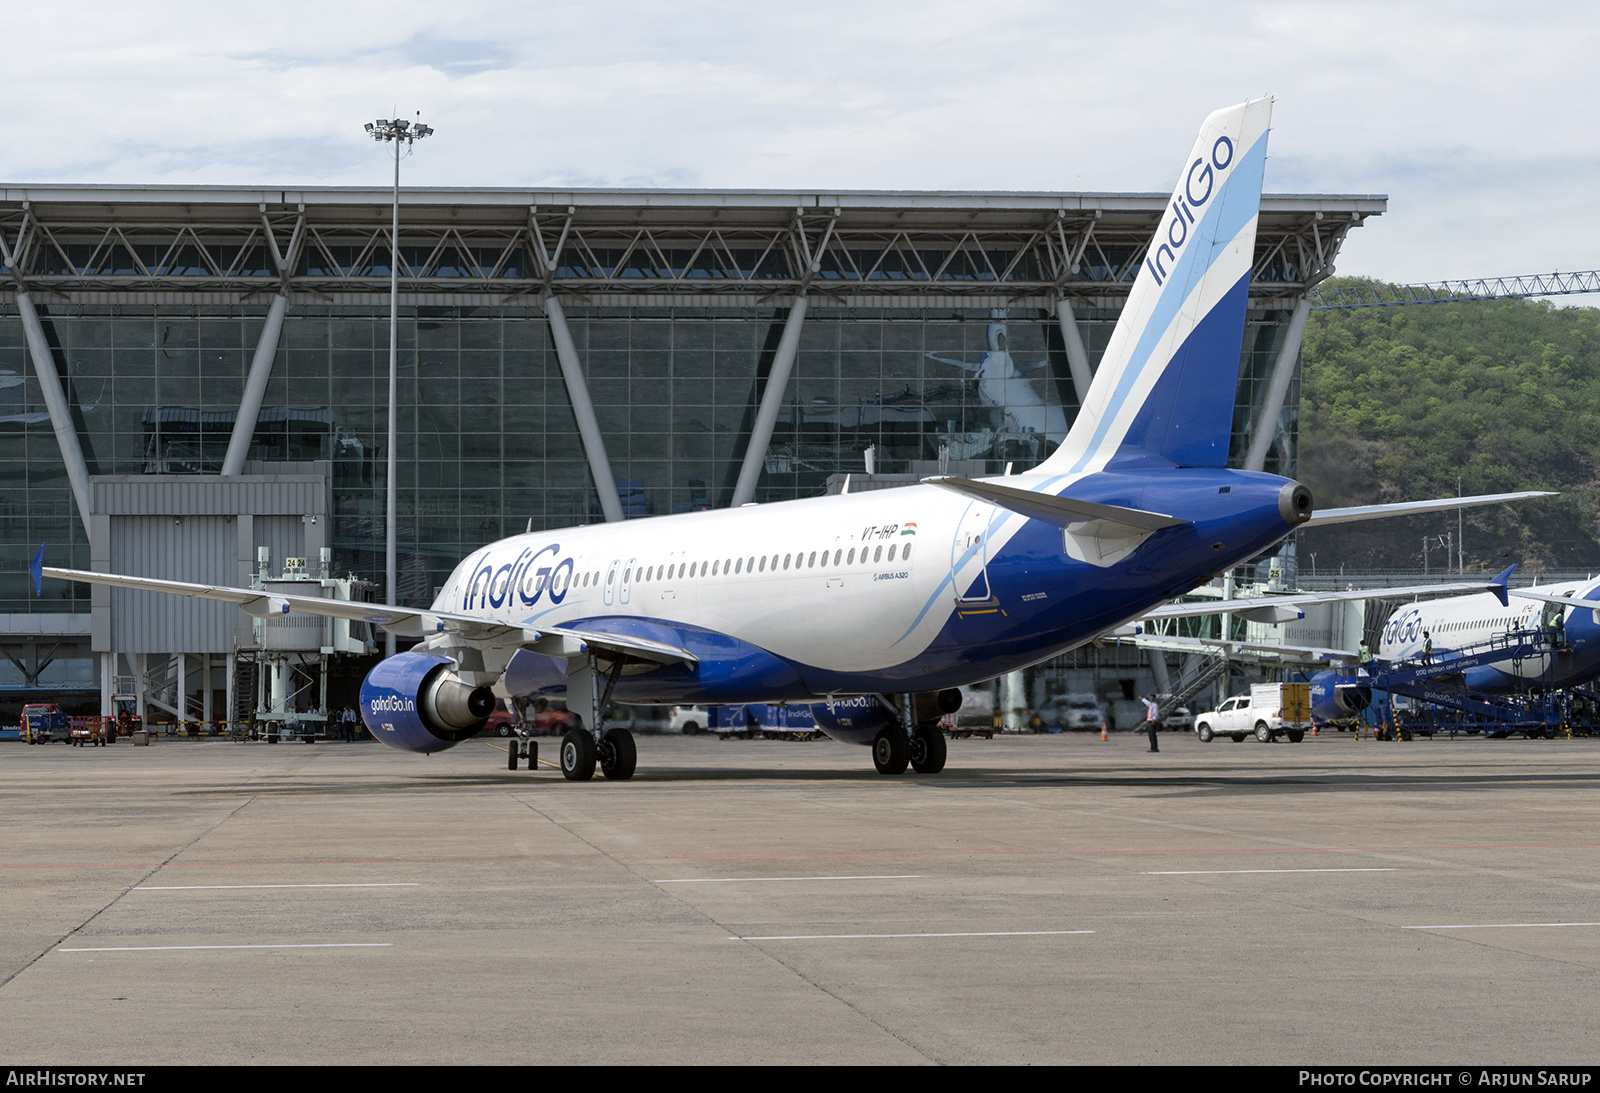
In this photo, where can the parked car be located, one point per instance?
(1076, 712)
(539, 718)
(1180, 718)
(689, 720)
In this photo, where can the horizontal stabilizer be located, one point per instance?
(1409, 508)
(1060, 511)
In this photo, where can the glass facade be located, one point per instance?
(487, 438)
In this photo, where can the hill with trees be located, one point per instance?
(1398, 403)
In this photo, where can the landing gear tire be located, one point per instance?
(1296, 737)
(1237, 738)
(618, 755)
(928, 750)
(1205, 734)
(577, 756)
(1263, 732)
(891, 750)
(511, 756)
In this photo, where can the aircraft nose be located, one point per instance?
(1294, 503)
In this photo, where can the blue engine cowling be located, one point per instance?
(416, 702)
(853, 720)
(1337, 695)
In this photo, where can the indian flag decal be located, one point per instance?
(909, 529)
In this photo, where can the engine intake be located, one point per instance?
(416, 702)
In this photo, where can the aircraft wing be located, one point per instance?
(1286, 608)
(1546, 597)
(1300, 654)
(1411, 508)
(556, 641)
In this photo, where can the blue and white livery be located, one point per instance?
(876, 607)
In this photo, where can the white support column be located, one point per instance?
(755, 456)
(108, 684)
(205, 689)
(1278, 387)
(255, 387)
(605, 483)
(1077, 356)
(1158, 669)
(44, 365)
(232, 667)
(183, 694)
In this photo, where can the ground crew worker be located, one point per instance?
(1558, 629)
(1427, 648)
(1151, 713)
(1364, 654)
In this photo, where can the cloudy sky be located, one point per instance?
(1478, 120)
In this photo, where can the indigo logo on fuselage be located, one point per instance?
(1199, 183)
(494, 585)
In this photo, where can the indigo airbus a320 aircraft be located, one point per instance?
(876, 607)
(1468, 626)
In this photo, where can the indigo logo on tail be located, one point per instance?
(1200, 176)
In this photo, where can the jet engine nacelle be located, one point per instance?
(416, 702)
(857, 720)
(854, 720)
(1339, 695)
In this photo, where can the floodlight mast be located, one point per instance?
(400, 132)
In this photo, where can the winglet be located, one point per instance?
(36, 567)
(1498, 585)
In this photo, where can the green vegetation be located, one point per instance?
(1397, 402)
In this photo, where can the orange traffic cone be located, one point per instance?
(1103, 736)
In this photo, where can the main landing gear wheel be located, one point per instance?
(891, 750)
(618, 756)
(928, 750)
(577, 756)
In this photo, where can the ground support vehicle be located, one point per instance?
(1270, 710)
(760, 719)
(93, 731)
(43, 723)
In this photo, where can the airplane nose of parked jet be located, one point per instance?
(1294, 503)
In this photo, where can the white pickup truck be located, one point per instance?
(1268, 711)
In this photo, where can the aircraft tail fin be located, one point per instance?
(1165, 388)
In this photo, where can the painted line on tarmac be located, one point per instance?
(741, 880)
(175, 948)
(202, 887)
(854, 937)
(857, 855)
(1498, 925)
(1215, 872)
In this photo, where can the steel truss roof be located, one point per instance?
(619, 246)
(1451, 292)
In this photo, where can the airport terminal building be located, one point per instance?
(189, 376)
